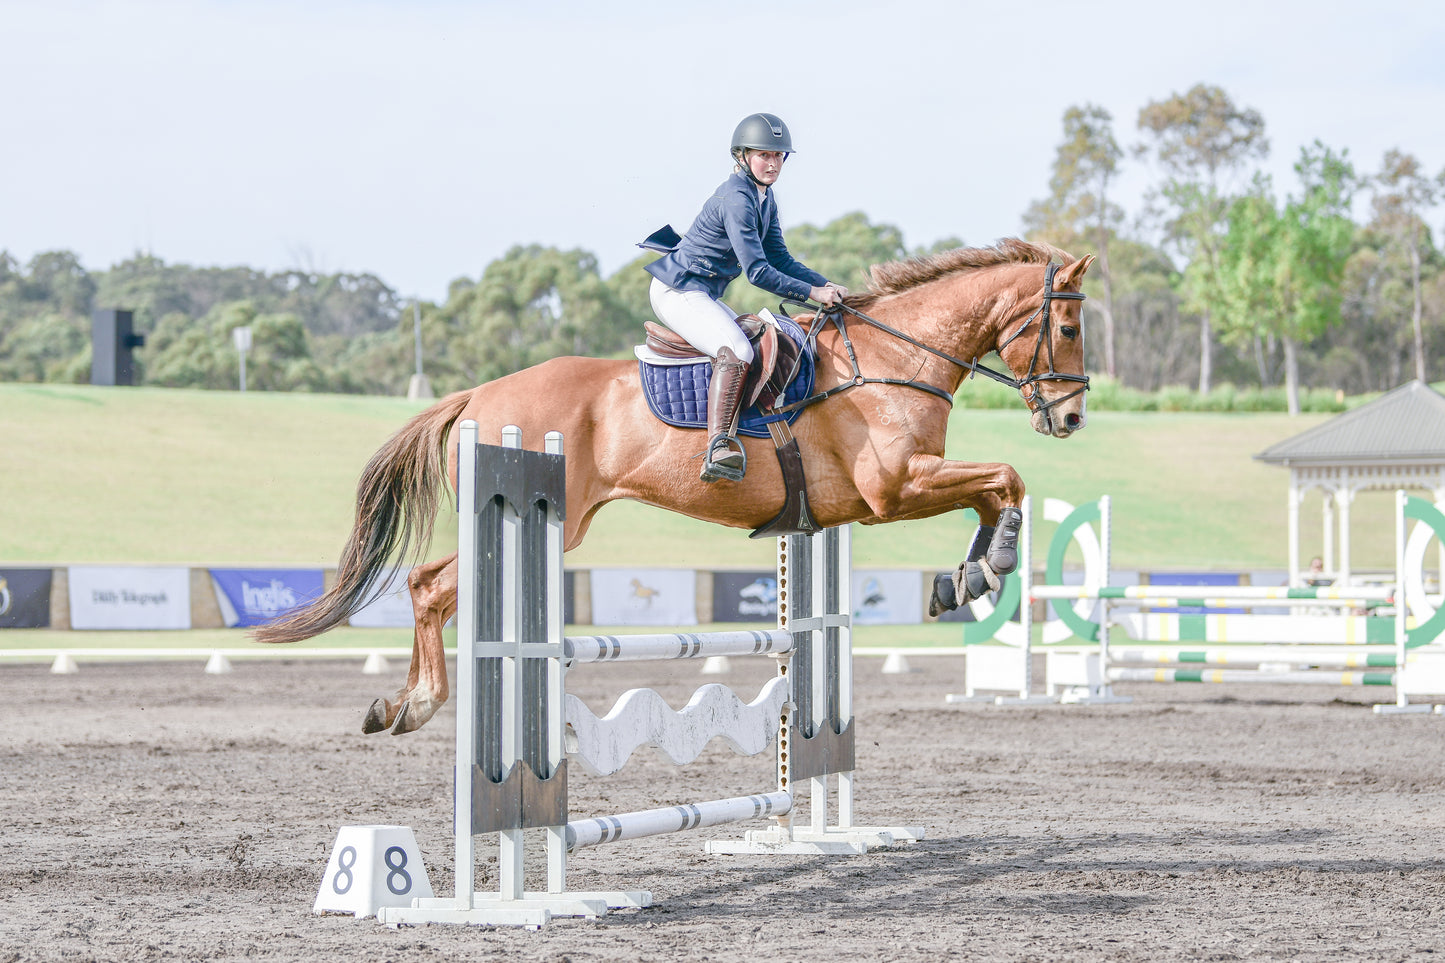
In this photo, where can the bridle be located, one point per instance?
(1027, 386)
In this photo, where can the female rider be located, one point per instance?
(736, 232)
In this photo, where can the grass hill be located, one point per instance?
(150, 475)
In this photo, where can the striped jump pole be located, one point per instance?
(1254, 676)
(1349, 657)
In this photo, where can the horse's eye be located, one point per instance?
(1069, 331)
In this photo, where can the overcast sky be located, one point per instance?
(420, 140)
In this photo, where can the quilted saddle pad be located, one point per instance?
(677, 394)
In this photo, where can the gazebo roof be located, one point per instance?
(1406, 425)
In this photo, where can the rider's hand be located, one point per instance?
(828, 294)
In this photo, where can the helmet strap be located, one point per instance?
(740, 155)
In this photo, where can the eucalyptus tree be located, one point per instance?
(1078, 208)
(532, 304)
(1403, 194)
(1200, 137)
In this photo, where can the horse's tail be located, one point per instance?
(396, 505)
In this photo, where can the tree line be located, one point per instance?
(1221, 277)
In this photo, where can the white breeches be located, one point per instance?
(706, 324)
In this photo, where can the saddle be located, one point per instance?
(776, 359)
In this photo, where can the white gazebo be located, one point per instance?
(1396, 441)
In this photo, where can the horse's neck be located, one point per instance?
(960, 316)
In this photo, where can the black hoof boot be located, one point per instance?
(1003, 550)
(944, 599)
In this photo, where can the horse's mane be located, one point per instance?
(897, 276)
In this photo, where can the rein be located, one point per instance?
(1027, 386)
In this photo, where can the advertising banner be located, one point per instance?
(24, 598)
(745, 597)
(644, 596)
(887, 597)
(392, 608)
(106, 597)
(254, 596)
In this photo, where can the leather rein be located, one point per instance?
(1027, 386)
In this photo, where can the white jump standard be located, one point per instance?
(516, 725)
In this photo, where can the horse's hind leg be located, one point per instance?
(433, 600)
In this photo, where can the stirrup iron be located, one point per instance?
(727, 468)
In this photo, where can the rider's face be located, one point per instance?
(766, 165)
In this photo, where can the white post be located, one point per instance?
(1106, 545)
(241, 337)
(1294, 502)
(1401, 609)
(556, 680)
(1026, 605)
(843, 574)
(465, 674)
(1345, 497)
(1327, 551)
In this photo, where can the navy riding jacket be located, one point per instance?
(737, 231)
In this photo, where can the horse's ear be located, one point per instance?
(1071, 274)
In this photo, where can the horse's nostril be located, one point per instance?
(1073, 421)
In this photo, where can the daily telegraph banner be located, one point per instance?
(129, 598)
(644, 596)
(255, 596)
(887, 598)
(24, 598)
(745, 597)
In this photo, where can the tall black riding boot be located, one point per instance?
(725, 457)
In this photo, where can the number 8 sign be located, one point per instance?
(371, 867)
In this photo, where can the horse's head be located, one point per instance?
(1045, 351)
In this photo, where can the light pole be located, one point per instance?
(242, 339)
(419, 386)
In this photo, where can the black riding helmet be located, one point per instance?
(760, 132)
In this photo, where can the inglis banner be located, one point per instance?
(129, 598)
(24, 598)
(254, 596)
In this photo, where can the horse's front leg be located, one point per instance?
(935, 485)
(433, 589)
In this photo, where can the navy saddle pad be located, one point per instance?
(677, 393)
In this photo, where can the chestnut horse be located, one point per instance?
(872, 453)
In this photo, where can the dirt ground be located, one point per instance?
(152, 812)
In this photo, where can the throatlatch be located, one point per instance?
(993, 553)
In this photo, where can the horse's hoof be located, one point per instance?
(375, 720)
(404, 723)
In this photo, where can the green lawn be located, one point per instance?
(151, 475)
